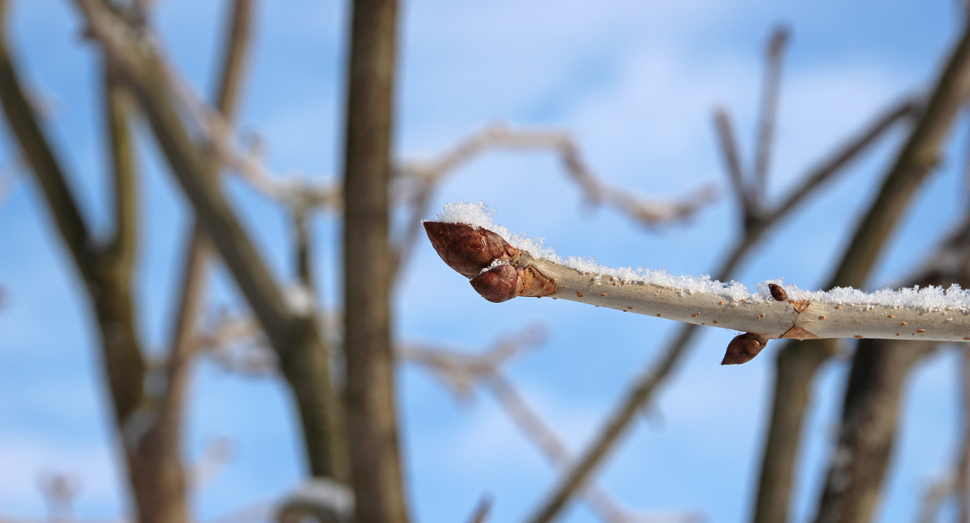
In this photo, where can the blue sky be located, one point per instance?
(635, 83)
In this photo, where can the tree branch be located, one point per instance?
(291, 330)
(500, 271)
(906, 109)
(647, 383)
(797, 364)
(145, 74)
(25, 126)
(461, 372)
(123, 247)
(769, 109)
(199, 249)
(423, 178)
(732, 159)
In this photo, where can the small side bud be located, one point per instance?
(778, 292)
(499, 284)
(744, 348)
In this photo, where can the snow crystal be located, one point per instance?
(495, 263)
(930, 298)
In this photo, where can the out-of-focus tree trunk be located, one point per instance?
(368, 265)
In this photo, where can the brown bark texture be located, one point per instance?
(369, 394)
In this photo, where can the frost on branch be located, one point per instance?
(502, 266)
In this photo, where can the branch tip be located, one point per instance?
(467, 249)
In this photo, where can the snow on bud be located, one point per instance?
(467, 249)
(777, 292)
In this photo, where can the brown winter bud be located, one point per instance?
(467, 249)
(504, 282)
(744, 348)
(499, 284)
(777, 292)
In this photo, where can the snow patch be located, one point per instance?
(299, 300)
(480, 215)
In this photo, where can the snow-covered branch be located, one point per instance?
(502, 266)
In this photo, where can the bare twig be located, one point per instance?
(292, 332)
(37, 153)
(200, 249)
(484, 507)
(500, 271)
(420, 179)
(732, 159)
(907, 108)
(933, 497)
(769, 109)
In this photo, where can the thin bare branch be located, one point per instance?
(24, 124)
(288, 324)
(235, 58)
(732, 159)
(421, 178)
(500, 271)
(769, 110)
(200, 249)
(906, 109)
(124, 245)
(484, 507)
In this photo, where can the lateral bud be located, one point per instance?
(778, 292)
(743, 348)
(501, 283)
(504, 282)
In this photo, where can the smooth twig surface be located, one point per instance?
(514, 272)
